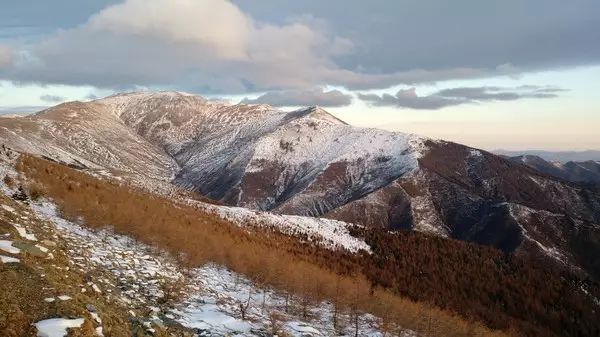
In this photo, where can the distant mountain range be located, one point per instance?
(586, 172)
(309, 163)
(555, 156)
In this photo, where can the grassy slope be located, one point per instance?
(267, 257)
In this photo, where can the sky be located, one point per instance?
(506, 74)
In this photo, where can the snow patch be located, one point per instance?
(8, 208)
(332, 234)
(57, 327)
(23, 233)
(8, 259)
(7, 246)
(211, 295)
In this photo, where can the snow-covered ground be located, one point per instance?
(211, 296)
(329, 233)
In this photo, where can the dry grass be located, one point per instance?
(310, 273)
(24, 285)
(35, 191)
(10, 182)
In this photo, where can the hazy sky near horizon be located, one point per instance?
(507, 74)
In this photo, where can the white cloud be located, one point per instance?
(202, 45)
(216, 26)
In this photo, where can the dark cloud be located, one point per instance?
(52, 98)
(333, 98)
(396, 36)
(408, 98)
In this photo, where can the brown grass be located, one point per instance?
(10, 182)
(310, 273)
(35, 191)
(24, 285)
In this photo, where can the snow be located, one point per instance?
(8, 259)
(171, 134)
(23, 233)
(521, 214)
(128, 261)
(321, 142)
(8, 208)
(133, 274)
(95, 288)
(57, 327)
(151, 137)
(329, 233)
(7, 246)
(475, 153)
(216, 308)
(300, 329)
(208, 317)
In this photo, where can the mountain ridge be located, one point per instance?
(307, 162)
(585, 172)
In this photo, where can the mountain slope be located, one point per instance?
(307, 162)
(86, 135)
(579, 172)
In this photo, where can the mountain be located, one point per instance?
(554, 156)
(587, 172)
(309, 163)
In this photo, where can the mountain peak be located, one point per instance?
(320, 113)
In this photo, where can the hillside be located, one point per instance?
(479, 283)
(146, 273)
(309, 163)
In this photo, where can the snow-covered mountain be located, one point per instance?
(309, 163)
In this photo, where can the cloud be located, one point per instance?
(333, 98)
(208, 46)
(408, 98)
(399, 36)
(52, 98)
(5, 56)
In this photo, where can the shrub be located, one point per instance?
(9, 181)
(35, 191)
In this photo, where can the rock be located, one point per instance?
(20, 195)
(30, 248)
(90, 308)
(49, 243)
